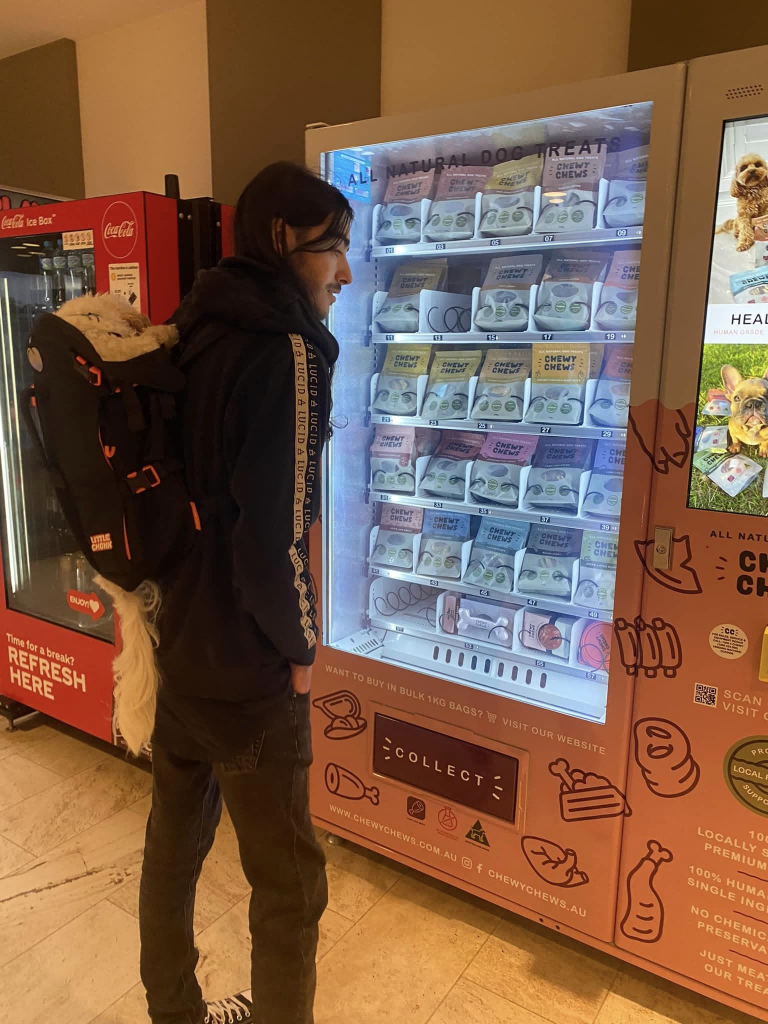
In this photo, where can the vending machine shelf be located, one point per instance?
(596, 237)
(554, 430)
(503, 337)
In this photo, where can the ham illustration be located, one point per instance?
(552, 863)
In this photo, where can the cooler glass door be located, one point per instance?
(46, 576)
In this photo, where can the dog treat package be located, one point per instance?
(731, 473)
(446, 473)
(717, 403)
(760, 224)
(547, 569)
(711, 437)
(492, 559)
(400, 218)
(400, 312)
(507, 203)
(478, 618)
(426, 441)
(447, 396)
(392, 460)
(441, 540)
(501, 385)
(610, 407)
(569, 187)
(564, 299)
(394, 542)
(505, 295)
(495, 478)
(547, 633)
(452, 215)
(603, 497)
(750, 286)
(558, 380)
(555, 476)
(627, 171)
(618, 300)
(597, 571)
(396, 389)
(595, 646)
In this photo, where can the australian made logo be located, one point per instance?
(101, 542)
(477, 835)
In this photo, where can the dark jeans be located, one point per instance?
(265, 791)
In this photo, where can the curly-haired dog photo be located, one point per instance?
(750, 190)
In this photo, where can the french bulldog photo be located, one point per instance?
(749, 410)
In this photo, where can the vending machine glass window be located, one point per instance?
(474, 477)
(46, 575)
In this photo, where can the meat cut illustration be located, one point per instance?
(644, 917)
(651, 646)
(552, 863)
(585, 796)
(680, 576)
(343, 710)
(663, 754)
(344, 783)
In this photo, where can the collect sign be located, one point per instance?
(461, 772)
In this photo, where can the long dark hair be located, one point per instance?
(291, 194)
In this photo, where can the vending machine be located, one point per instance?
(487, 484)
(693, 892)
(57, 625)
(13, 198)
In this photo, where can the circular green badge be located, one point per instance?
(746, 773)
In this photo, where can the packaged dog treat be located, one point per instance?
(558, 379)
(446, 474)
(441, 540)
(618, 301)
(392, 458)
(547, 633)
(501, 385)
(505, 295)
(452, 215)
(760, 224)
(717, 403)
(426, 441)
(394, 541)
(731, 473)
(447, 396)
(495, 478)
(478, 618)
(610, 407)
(548, 563)
(627, 171)
(555, 476)
(595, 646)
(396, 389)
(400, 219)
(750, 286)
(597, 571)
(603, 497)
(400, 312)
(492, 558)
(564, 299)
(569, 187)
(507, 204)
(711, 437)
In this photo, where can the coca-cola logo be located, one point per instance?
(118, 229)
(17, 221)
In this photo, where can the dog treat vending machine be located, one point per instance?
(543, 579)
(57, 626)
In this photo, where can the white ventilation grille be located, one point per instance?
(740, 91)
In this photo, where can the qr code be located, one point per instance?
(706, 695)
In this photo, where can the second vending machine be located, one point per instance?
(486, 487)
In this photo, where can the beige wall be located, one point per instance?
(144, 105)
(439, 52)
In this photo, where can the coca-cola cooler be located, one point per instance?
(57, 626)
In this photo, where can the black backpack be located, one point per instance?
(109, 436)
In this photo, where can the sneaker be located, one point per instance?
(231, 1010)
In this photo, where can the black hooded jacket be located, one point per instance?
(254, 417)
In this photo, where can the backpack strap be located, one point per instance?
(208, 333)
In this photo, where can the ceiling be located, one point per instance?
(25, 25)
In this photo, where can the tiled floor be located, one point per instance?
(395, 947)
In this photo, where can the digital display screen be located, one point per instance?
(730, 457)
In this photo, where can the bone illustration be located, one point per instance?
(552, 863)
(344, 783)
(644, 918)
(663, 754)
(585, 796)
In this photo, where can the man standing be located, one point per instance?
(237, 623)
